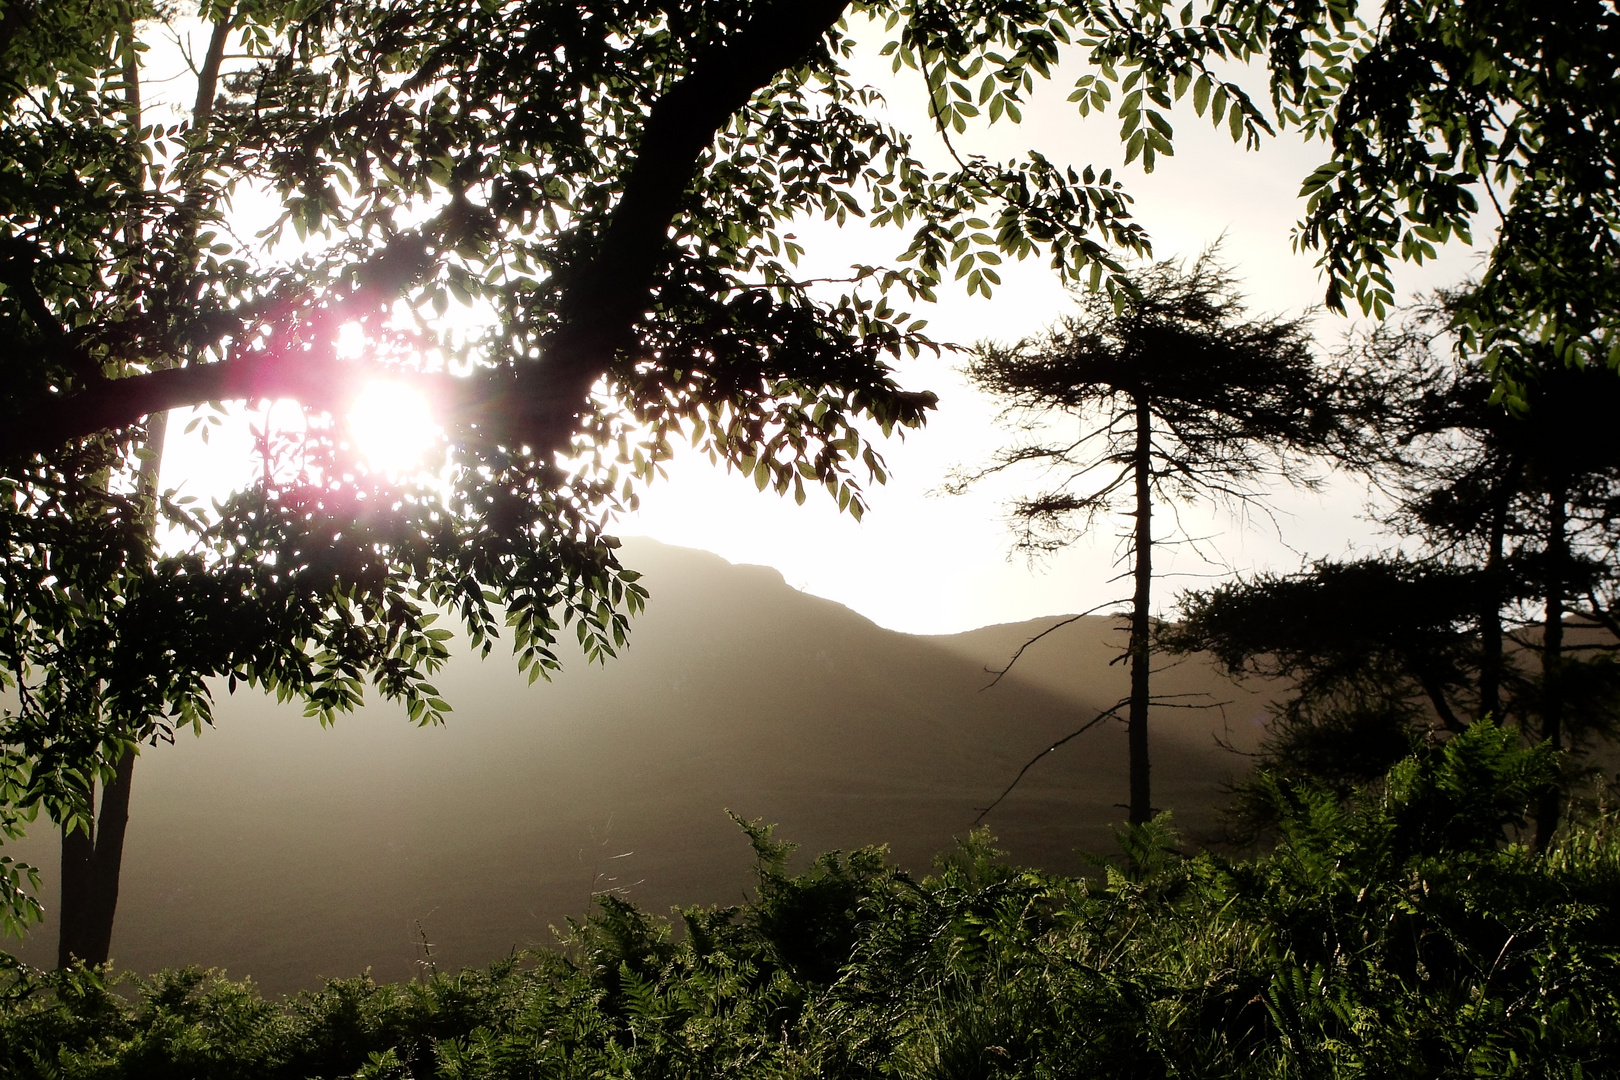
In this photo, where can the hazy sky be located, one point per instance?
(930, 563)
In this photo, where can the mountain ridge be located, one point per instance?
(277, 850)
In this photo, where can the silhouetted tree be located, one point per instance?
(1374, 648)
(609, 186)
(613, 182)
(1512, 512)
(1525, 496)
(1175, 394)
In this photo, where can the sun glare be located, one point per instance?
(350, 341)
(392, 426)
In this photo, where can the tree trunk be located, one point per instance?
(92, 863)
(107, 862)
(1490, 616)
(90, 871)
(1141, 808)
(1552, 655)
(92, 860)
(78, 859)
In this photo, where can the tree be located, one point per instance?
(1428, 108)
(1377, 649)
(1525, 494)
(1510, 98)
(1175, 395)
(611, 188)
(615, 188)
(1512, 516)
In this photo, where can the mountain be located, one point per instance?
(273, 848)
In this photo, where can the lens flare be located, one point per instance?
(350, 341)
(392, 426)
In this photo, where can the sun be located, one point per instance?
(392, 426)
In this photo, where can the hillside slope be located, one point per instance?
(278, 850)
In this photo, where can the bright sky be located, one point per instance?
(930, 563)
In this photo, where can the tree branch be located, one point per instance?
(600, 311)
(1093, 722)
(1437, 697)
(208, 76)
(999, 672)
(538, 404)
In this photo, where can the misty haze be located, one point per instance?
(278, 850)
(765, 539)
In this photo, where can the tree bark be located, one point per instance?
(1490, 616)
(91, 863)
(1549, 805)
(96, 861)
(107, 862)
(1437, 697)
(1141, 808)
(78, 860)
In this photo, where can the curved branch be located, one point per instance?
(1099, 718)
(999, 672)
(1437, 697)
(538, 404)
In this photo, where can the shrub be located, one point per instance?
(1399, 933)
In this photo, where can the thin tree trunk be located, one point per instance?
(1436, 690)
(89, 896)
(1490, 616)
(106, 862)
(1552, 654)
(1141, 808)
(92, 863)
(78, 859)
(90, 871)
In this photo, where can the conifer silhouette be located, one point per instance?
(1177, 394)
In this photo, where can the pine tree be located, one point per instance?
(1178, 394)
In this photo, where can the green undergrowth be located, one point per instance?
(1395, 935)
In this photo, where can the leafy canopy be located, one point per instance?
(1228, 398)
(614, 190)
(611, 190)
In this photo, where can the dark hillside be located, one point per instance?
(278, 850)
